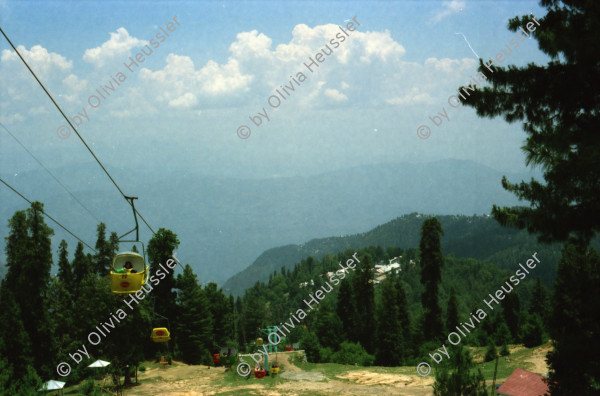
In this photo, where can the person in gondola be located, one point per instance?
(127, 268)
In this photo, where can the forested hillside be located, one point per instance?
(477, 237)
(359, 320)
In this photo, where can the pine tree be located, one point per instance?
(432, 261)
(575, 323)
(561, 123)
(16, 350)
(160, 249)
(327, 324)
(454, 377)
(194, 320)
(219, 308)
(65, 273)
(81, 266)
(491, 353)
(539, 301)
(364, 296)
(390, 340)
(452, 312)
(104, 253)
(532, 331)
(60, 301)
(404, 318)
(29, 260)
(511, 311)
(346, 310)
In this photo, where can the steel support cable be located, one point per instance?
(71, 125)
(50, 173)
(50, 217)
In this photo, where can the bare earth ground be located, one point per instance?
(310, 379)
(186, 380)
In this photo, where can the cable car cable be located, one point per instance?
(71, 125)
(50, 173)
(50, 217)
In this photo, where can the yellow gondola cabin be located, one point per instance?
(160, 334)
(128, 273)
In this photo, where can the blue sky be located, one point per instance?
(180, 109)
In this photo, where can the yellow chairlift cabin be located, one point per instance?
(160, 334)
(128, 271)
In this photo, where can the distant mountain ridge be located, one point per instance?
(479, 237)
(226, 223)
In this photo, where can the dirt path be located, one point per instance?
(539, 359)
(189, 380)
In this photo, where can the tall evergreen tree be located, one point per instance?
(562, 126)
(432, 261)
(575, 323)
(29, 260)
(194, 320)
(455, 376)
(81, 265)
(16, 349)
(404, 318)
(561, 123)
(452, 312)
(390, 340)
(160, 249)
(104, 253)
(346, 310)
(327, 324)
(539, 301)
(218, 305)
(511, 311)
(364, 297)
(65, 273)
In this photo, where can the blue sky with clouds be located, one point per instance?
(181, 107)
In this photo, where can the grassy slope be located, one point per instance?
(230, 383)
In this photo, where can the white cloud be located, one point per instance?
(413, 97)
(12, 118)
(251, 45)
(336, 95)
(119, 44)
(185, 101)
(224, 79)
(38, 110)
(449, 8)
(379, 45)
(179, 82)
(42, 62)
(448, 65)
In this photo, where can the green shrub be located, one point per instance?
(87, 388)
(504, 350)
(142, 368)
(310, 343)
(490, 353)
(326, 354)
(352, 353)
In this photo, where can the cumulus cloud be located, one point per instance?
(448, 8)
(119, 44)
(335, 95)
(448, 65)
(179, 83)
(39, 59)
(413, 97)
(379, 45)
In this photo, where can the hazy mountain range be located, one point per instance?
(224, 224)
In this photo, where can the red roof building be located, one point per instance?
(523, 383)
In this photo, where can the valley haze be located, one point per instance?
(224, 224)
